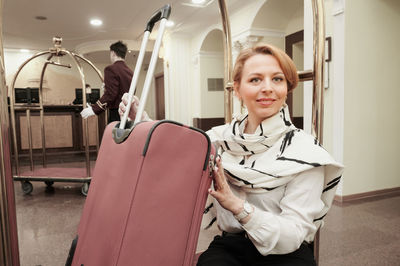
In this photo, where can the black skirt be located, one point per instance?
(238, 250)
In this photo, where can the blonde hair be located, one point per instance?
(287, 65)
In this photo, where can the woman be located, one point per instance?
(273, 183)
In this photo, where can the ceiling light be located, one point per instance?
(96, 22)
(170, 23)
(198, 3)
(24, 50)
(40, 17)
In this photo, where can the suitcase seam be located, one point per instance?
(146, 146)
(129, 213)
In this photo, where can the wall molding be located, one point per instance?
(104, 45)
(261, 32)
(210, 54)
(389, 192)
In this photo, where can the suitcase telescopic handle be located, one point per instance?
(163, 12)
(120, 132)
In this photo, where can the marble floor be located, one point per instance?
(360, 233)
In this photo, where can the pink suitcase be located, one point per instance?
(147, 196)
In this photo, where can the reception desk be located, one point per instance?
(63, 129)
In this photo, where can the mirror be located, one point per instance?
(191, 66)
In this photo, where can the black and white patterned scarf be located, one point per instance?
(273, 155)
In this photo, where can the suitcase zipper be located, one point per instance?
(211, 164)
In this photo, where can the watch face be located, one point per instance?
(247, 209)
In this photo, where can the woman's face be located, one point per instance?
(263, 87)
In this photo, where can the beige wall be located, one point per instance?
(211, 66)
(372, 91)
(296, 22)
(211, 59)
(276, 41)
(213, 42)
(179, 91)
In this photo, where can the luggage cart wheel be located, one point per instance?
(26, 187)
(49, 183)
(85, 189)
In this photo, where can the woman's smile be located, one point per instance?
(266, 101)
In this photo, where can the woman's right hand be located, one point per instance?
(124, 103)
(133, 109)
(222, 191)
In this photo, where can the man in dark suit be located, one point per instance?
(117, 80)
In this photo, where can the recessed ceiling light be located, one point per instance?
(96, 22)
(24, 50)
(40, 17)
(198, 3)
(170, 23)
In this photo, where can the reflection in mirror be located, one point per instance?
(190, 64)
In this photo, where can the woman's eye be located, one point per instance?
(277, 79)
(254, 80)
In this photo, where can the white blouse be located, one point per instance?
(283, 217)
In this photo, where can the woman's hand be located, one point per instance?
(133, 109)
(223, 193)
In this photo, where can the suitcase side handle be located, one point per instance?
(163, 12)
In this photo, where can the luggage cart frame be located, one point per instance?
(25, 178)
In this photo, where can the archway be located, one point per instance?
(211, 79)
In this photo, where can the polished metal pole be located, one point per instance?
(317, 76)
(102, 80)
(228, 62)
(9, 254)
(12, 110)
(85, 122)
(318, 85)
(44, 160)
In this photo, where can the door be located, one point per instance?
(294, 48)
(160, 97)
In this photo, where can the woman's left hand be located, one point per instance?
(223, 193)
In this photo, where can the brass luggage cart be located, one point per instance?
(43, 173)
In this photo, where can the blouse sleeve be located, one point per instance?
(284, 233)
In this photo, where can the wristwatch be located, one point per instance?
(247, 209)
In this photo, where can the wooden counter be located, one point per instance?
(63, 129)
